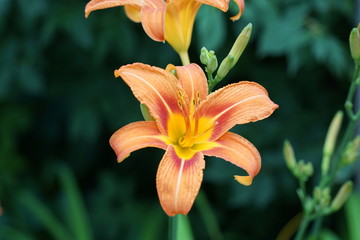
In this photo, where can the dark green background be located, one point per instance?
(60, 103)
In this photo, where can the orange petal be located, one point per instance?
(233, 104)
(135, 136)
(238, 151)
(178, 182)
(133, 12)
(102, 4)
(152, 19)
(241, 6)
(193, 81)
(220, 4)
(154, 87)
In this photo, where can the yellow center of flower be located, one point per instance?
(188, 133)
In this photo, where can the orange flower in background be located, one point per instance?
(189, 124)
(172, 20)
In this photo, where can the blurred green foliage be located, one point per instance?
(60, 103)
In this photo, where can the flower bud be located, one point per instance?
(204, 56)
(235, 52)
(240, 43)
(330, 141)
(354, 41)
(342, 195)
(303, 170)
(289, 155)
(225, 67)
(351, 152)
(212, 64)
(322, 197)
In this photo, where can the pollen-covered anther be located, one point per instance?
(198, 97)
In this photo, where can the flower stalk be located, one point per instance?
(320, 204)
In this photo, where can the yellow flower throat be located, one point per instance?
(188, 133)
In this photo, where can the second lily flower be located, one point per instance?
(172, 20)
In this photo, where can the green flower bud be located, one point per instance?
(342, 195)
(212, 64)
(303, 170)
(354, 41)
(235, 52)
(204, 56)
(240, 43)
(330, 141)
(225, 67)
(289, 155)
(145, 112)
(322, 197)
(351, 152)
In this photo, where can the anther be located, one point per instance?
(180, 94)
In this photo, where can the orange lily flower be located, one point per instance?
(189, 124)
(172, 20)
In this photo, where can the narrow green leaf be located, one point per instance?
(76, 213)
(44, 216)
(10, 233)
(208, 216)
(352, 214)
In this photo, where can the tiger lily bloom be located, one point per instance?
(172, 20)
(189, 124)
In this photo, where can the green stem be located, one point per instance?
(173, 227)
(349, 132)
(184, 56)
(212, 83)
(351, 126)
(317, 226)
(302, 229)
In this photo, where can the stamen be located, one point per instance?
(181, 95)
(180, 105)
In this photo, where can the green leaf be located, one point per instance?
(76, 213)
(208, 216)
(44, 216)
(352, 214)
(10, 233)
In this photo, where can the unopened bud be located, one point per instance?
(330, 141)
(212, 64)
(351, 152)
(354, 41)
(145, 112)
(322, 197)
(235, 52)
(342, 195)
(204, 56)
(240, 43)
(225, 66)
(289, 155)
(303, 170)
